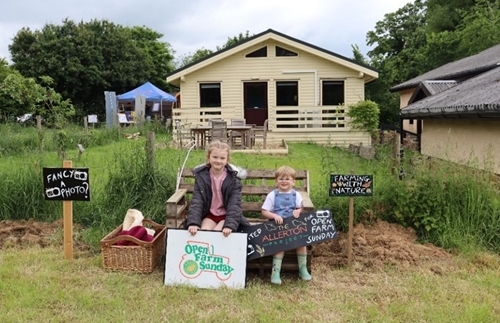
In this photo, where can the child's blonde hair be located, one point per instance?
(285, 171)
(217, 144)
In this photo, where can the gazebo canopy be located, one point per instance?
(149, 91)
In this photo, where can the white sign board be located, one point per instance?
(206, 260)
(122, 118)
(92, 118)
(156, 107)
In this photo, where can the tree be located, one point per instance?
(231, 41)
(398, 40)
(479, 27)
(378, 90)
(28, 96)
(203, 52)
(446, 15)
(88, 58)
(191, 58)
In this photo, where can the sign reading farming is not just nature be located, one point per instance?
(309, 228)
(66, 184)
(351, 185)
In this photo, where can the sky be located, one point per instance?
(190, 25)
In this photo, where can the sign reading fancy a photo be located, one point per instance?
(351, 185)
(66, 184)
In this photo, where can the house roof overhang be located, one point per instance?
(366, 72)
(477, 97)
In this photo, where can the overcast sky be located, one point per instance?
(189, 25)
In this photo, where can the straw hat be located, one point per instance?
(132, 218)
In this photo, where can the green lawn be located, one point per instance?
(39, 285)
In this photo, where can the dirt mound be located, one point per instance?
(374, 245)
(23, 233)
(378, 245)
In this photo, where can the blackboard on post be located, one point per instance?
(269, 238)
(66, 184)
(351, 185)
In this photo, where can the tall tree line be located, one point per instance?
(424, 35)
(87, 58)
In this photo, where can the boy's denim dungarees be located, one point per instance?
(284, 203)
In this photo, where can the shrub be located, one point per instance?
(364, 116)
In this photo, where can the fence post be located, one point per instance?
(85, 124)
(150, 148)
(38, 122)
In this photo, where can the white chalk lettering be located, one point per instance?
(320, 237)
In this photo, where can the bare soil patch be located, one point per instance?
(373, 246)
(378, 245)
(27, 233)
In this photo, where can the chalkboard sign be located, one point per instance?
(309, 228)
(66, 184)
(351, 185)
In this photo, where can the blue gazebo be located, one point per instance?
(150, 92)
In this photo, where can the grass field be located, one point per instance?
(39, 285)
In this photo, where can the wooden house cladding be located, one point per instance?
(302, 90)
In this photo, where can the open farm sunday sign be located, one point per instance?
(206, 260)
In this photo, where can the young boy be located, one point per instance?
(281, 203)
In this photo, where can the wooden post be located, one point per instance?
(39, 122)
(68, 221)
(395, 144)
(85, 124)
(351, 224)
(150, 148)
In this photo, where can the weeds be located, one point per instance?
(451, 206)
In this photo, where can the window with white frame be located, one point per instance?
(283, 52)
(333, 94)
(210, 95)
(287, 93)
(261, 52)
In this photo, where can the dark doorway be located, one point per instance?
(255, 102)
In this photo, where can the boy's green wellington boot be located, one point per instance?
(275, 275)
(303, 273)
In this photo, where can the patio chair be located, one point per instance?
(235, 136)
(184, 135)
(218, 131)
(259, 132)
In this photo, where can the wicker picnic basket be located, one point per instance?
(142, 258)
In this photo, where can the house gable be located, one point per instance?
(286, 42)
(428, 88)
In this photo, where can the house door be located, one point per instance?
(255, 102)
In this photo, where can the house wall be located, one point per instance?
(404, 98)
(234, 70)
(464, 141)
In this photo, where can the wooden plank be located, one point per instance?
(289, 262)
(175, 211)
(254, 173)
(177, 196)
(251, 206)
(306, 201)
